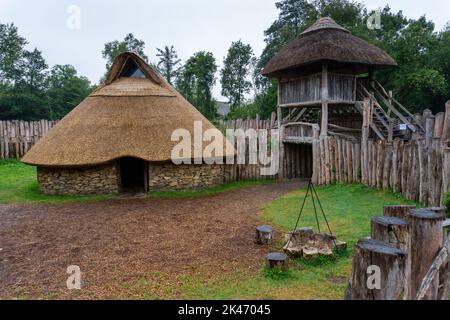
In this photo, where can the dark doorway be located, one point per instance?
(133, 175)
(298, 161)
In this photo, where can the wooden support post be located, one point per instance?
(281, 134)
(429, 131)
(391, 95)
(426, 234)
(391, 131)
(324, 122)
(365, 142)
(446, 170)
(387, 262)
(446, 129)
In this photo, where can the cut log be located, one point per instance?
(426, 234)
(391, 230)
(398, 211)
(370, 257)
(264, 235)
(277, 260)
(440, 210)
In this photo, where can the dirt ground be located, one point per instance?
(122, 239)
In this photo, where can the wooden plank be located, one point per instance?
(387, 166)
(324, 95)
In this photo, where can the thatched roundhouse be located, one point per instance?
(119, 139)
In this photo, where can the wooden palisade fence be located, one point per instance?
(418, 168)
(237, 172)
(17, 137)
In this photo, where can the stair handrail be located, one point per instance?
(385, 96)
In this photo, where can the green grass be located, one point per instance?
(18, 184)
(348, 208)
(232, 186)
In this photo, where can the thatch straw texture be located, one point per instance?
(327, 41)
(125, 117)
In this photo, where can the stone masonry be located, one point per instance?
(171, 177)
(75, 181)
(105, 179)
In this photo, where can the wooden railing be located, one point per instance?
(386, 112)
(300, 132)
(440, 266)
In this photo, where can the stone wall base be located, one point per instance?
(105, 179)
(170, 177)
(79, 181)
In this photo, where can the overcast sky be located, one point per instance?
(189, 25)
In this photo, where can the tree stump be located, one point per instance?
(366, 282)
(426, 234)
(264, 235)
(440, 210)
(398, 211)
(277, 260)
(392, 230)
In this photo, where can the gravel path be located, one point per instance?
(120, 240)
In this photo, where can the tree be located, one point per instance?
(196, 82)
(235, 72)
(168, 62)
(27, 90)
(34, 71)
(66, 90)
(11, 51)
(113, 49)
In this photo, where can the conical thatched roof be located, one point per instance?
(326, 40)
(124, 117)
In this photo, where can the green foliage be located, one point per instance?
(114, 48)
(28, 91)
(11, 51)
(234, 75)
(66, 90)
(34, 71)
(168, 62)
(196, 82)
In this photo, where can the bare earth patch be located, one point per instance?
(119, 241)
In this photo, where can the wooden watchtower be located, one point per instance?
(323, 78)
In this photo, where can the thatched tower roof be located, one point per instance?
(325, 40)
(125, 117)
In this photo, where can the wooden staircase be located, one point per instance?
(387, 113)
